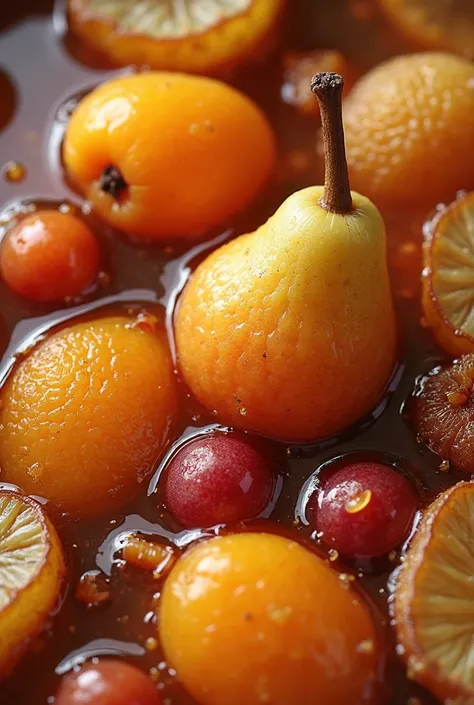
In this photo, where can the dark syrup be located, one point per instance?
(42, 74)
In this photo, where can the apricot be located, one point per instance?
(50, 256)
(256, 618)
(163, 155)
(409, 132)
(85, 416)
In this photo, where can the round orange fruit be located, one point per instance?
(85, 416)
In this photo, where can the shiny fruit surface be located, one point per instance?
(273, 612)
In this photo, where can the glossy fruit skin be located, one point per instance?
(285, 610)
(110, 682)
(50, 256)
(192, 150)
(403, 122)
(444, 413)
(217, 479)
(27, 614)
(260, 340)
(387, 510)
(94, 405)
(219, 50)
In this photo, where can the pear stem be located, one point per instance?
(327, 87)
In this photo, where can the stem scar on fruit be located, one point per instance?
(112, 182)
(327, 87)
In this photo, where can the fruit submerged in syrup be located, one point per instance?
(434, 612)
(109, 682)
(254, 618)
(163, 155)
(444, 413)
(85, 416)
(448, 276)
(365, 510)
(263, 326)
(217, 479)
(196, 36)
(50, 256)
(404, 120)
(32, 572)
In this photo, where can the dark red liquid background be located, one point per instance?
(39, 73)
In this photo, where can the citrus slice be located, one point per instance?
(198, 36)
(31, 574)
(435, 24)
(448, 276)
(434, 605)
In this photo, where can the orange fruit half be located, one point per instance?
(448, 276)
(31, 574)
(435, 24)
(195, 36)
(434, 605)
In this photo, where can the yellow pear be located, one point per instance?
(290, 331)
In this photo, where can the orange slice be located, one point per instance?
(31, 574)
(448, 276)
(434, 598)
(196, 36)
(435, 24)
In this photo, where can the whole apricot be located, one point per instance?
(254, 618)
(50, 256)
(409, 130)
(163, 155)
(85, 416)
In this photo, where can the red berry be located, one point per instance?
(110, 682)
(49, 256)
(365, 510)
(217, 479)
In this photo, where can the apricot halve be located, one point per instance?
(85, 416)
(409, 129)
(254, 618)
(32, 572)
(162, 155)
(197, 36)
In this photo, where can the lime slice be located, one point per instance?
(198, 36)
(434, 605)
(31, 574)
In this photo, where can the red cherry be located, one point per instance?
(50, 256)
(217, 479)
(110, 682)
(365, 510)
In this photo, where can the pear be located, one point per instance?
(290, 331)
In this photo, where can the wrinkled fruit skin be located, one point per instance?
(217, 479)
(93, 404)
(444, 413)
(365, 510)
(253, 618)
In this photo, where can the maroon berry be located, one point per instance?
(365, 510)
(217, 479)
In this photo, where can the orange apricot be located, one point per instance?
(209, 38)
(85, 416)
(256, 618)
(50, 256)
(409, 132)
(163, 155)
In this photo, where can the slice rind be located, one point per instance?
(195, 36)
(435, 24)
(434, 597)
(448, 276)
(32, 572)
